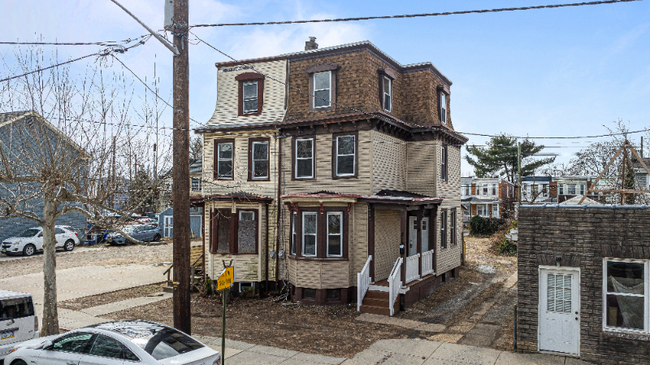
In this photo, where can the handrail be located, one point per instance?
(363, 282)
(394, 284)
(197, 260)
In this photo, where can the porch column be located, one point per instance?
(371, 239)
(420, 214)
(404, 240)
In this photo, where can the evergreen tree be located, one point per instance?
(499, 158)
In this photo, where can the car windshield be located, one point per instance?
(159, 341)
(29, 232)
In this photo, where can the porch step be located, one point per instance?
(384, 311)
(376, 302)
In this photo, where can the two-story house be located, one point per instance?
(487, 197)
(352, 160)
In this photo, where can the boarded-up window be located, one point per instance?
(247, 232)
(223, 231)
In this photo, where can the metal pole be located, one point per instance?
(519, 172)
(514, 328)
(223, 328)
(181, 170)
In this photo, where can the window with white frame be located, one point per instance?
(388, 94)
(480, 210)
(560, 189)
(294, 216)
(443, 107)
(309, 233)
(452, 228)
(571, 189)
(494, 189)
(443, 229)
(250, 97)
(334, 234)
(196, 184)
(582, 189)
(484, 190)
(304, 163)
(224, 160)
(322, 89)
(443, 164)
(626, 295)
(259, 160)
(345, 155)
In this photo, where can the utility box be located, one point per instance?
(169, 14)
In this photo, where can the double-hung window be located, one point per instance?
(452, 229)
(561, 189)
(571, 189)
(494, 189)
(294, 216)
(443, 107)
(250, 97)
(304, 162)
(309, 233)
(443, 165)
(626, 295)
(582, 189)
(322, 89)
(259, 160)
(345, 150)
(388, 94)
(334, 234)
(196, 184)
(224, 157)
(443, 229)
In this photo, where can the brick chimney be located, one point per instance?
(552, 189)
(311, 44)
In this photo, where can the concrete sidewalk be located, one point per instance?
(386, 352)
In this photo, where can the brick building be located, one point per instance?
(584, 286)
(363, 159)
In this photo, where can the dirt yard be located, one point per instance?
(476, 307)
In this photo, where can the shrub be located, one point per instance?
(507, 249)
(484, 226)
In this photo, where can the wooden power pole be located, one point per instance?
(181, 169)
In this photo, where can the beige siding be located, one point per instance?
(389, 163)
(358, 240)
(319, 274)
(228, 95)
(449, 257)
(323, 167)
(422, 167)
(387, 241)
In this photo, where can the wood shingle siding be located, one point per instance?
(387, 241)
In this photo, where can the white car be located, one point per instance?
(112, 343)
(30, 241)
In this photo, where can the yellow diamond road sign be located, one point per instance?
(226, 278)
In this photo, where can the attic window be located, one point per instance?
(251, 93)
(322, 86)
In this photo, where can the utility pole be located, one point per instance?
(181, 169)
(519, 172)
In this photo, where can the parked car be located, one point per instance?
(147, 232)
(17, 320)
(121, 342)
(30, 241)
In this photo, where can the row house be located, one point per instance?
(336, 171)
(486, 197)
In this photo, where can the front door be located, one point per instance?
(413, 236)
(559, 310)
(425, 234)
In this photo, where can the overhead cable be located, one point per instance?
(446, 13)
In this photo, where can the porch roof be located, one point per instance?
(240, 197)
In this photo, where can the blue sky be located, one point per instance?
(545, 72)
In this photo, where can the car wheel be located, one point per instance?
(29, 250)
(19, 362)
(156, 238)
(68, 245)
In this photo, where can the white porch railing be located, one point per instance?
(412, 268)
(363, 282)
(394, 284)
(427, 263)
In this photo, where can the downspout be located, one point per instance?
(277, 214)
(266, 275)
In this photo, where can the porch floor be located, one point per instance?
(385, 282)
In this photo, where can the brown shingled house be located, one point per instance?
(360, 199)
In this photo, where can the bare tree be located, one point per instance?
(65, 148)
(196, 148)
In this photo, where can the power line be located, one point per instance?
(460, 12)
(99, 43)
(557, 137)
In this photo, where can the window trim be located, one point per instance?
(234, 241)
(389, 94)
(294, 158)
(444, 163)
(248, 77)
(321, 233)
(294, 236)
(442, 106)
(217, 142)
(198, 180)
(327, 233)
(391, 76)
(335, 137)
(314, 90)
(443, 228)
(646, 296)
(452, 228)
(251, 162)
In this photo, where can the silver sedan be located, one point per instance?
(121, 342)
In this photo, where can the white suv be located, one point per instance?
(31, 240)
(17, 320)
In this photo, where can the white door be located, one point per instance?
(425, 234)
(413, 236)
(169, 226)
(559, 310)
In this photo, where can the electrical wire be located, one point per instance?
(460, 12)
(100, 43)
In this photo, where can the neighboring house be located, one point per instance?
(347, 187)
(487, 197)
(196, 176)
(166, 222)
(571, 186)
(12, 126)
(538, 190)
(584, 282)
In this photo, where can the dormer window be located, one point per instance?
(388, 94)
(322, 89)
(251, 93)
(443, 107)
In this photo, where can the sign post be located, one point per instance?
(224, 282)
